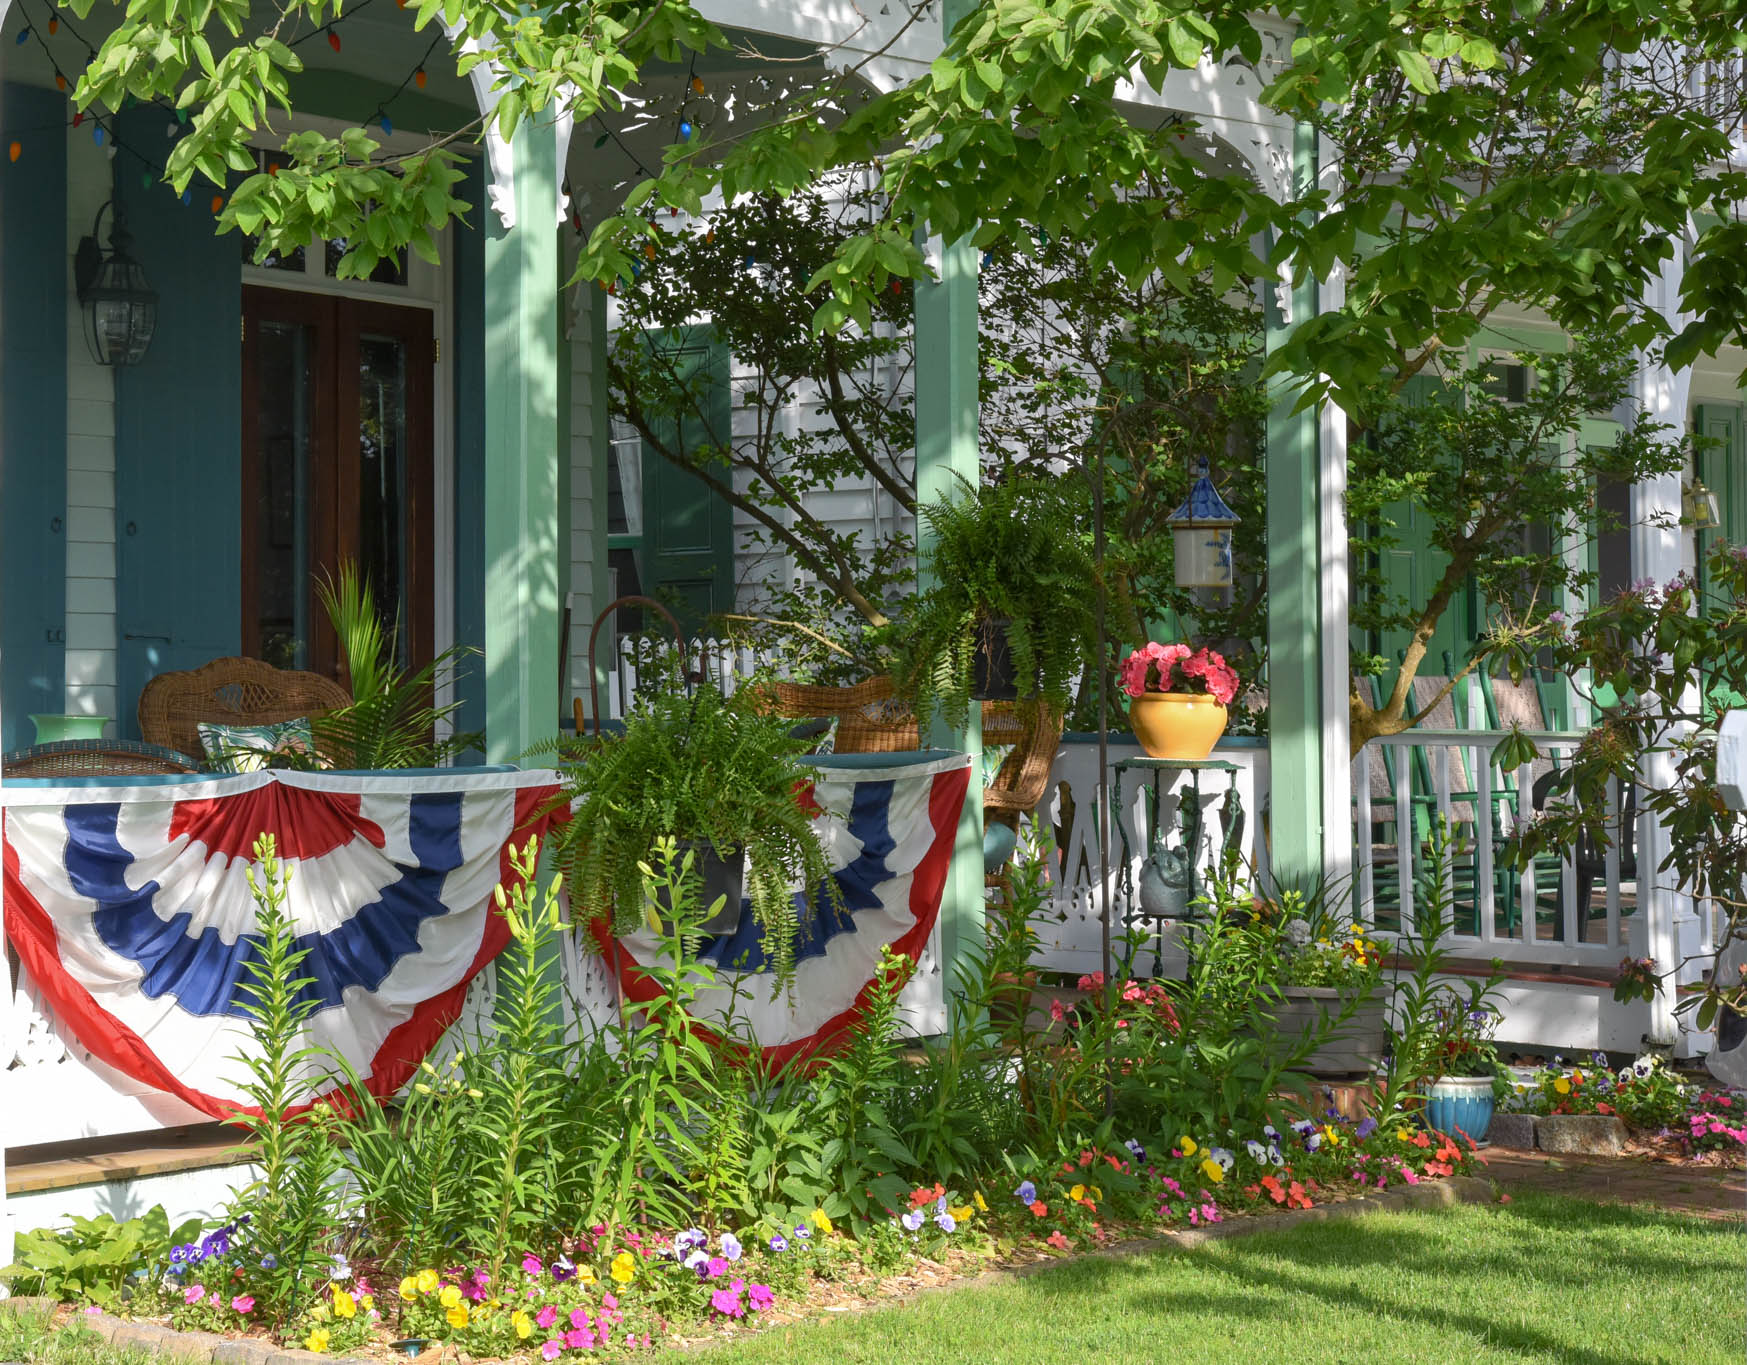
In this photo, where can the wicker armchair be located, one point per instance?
(230, 692)
(95, 758)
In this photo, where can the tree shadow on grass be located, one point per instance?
(1337, 1266)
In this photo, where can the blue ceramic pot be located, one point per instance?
(1460, 1104)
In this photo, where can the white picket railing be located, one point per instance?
(727, 663)
(1553, 911)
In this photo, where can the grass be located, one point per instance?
(1545, 1278)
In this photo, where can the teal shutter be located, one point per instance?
(178, 441)
(33, 441)
(688, 531)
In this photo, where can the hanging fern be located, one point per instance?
(703, 768)
(1012, 552)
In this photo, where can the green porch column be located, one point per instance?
(522, 428)
(946, 445)
(1294, 618)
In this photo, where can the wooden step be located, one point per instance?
(98, 1161)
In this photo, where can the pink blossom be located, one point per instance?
(1056, 1012)
(609, 1301)
(551, 1350)
(727, 1303)
(531, 1264)
(579, 1340)
(244, 1304)
(546, 1317)
(717, 1267)
(579, 1317)
(759, 1297)
(1408, 1175)
(194, 1293)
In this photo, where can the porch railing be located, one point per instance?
(1568, 911)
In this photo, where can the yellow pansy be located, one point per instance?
(1562, 1085)
(1186, 1146)
(345, 1306)
(821, 1220)
(977, 1199)
(1213, 1170)
(367, 1302)
(624, 1267)
(1332, 1133)
(523, 1324)
(427, 1281)
(1077, 1193)
(457, 1315)
(409, 1289)
(316, 1340)
(1404, 1135)
(585, 1275)
(962, 1212)
(450, 1296)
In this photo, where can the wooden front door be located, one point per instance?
(337, 405)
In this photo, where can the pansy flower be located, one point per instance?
(1026, 1193)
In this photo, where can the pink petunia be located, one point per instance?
(759, 1297)
(579, 1340)
(244, 1304)
(609, 1301)
(546, 1317)
(727, 1303)
(531, 1264)
(551, 1350)
(579, 1317)
(194, 1293)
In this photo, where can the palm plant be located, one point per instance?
(393, 721)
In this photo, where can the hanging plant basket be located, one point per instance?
(717, 876)
(992, 677)
(1176, 725)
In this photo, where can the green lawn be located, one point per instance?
(1543, 1278)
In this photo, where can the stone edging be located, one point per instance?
(207, 1348)
(196, 1348)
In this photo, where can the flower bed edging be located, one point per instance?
(206, 1348)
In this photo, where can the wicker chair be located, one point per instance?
(230, 692)
(95, 758)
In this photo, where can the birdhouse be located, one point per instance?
(1201, 534)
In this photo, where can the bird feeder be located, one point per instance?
(1201, 535)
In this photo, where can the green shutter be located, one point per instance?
(688, 529)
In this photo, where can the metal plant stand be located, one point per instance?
(1182, 834)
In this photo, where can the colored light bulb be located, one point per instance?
(16, 150)
(685, 129)
(333, 40)
(419, 78)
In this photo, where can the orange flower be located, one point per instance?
(1039, 1209)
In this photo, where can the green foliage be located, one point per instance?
(1673, 656)
(391, 722)
(1013, 557)
(1080, 368)
(1498, 488)
(294, 1202)
(88, 1260)
(702, 768)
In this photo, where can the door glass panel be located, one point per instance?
(281, 514)
(382, 459)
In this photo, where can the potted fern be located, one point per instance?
(723, 779)
(1009, 614)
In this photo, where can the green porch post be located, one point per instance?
(522, 426)
(946, 445)
(1294, 616)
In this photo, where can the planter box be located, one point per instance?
(1356, 1047)
(1581, 1134)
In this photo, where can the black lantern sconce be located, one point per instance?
(121, 309)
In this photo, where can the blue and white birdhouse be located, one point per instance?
(1201, 534)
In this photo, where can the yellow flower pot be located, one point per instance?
(1175, 725)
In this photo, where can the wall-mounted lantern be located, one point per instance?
(1698, 506)
(121, 309)
(1201, 535)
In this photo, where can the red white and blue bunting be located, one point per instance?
(130, 908)
(890, 850)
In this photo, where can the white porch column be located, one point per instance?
(1665, 926)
